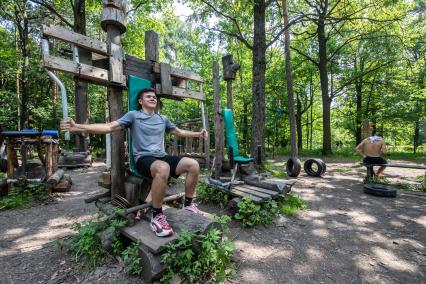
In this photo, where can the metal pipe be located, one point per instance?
(45, 50)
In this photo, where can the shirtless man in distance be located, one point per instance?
(370, 149)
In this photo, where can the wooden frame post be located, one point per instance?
(219, 144)
(113, 22)
(229, 73)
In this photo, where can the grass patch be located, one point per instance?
(269, 167)
(291, 205)
(24, 196)
(2, 175)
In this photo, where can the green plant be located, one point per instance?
(252, 214)
(212, 194)
(269, 167)
(132, 260)
(198, 258)
(24, 196)
(87, 246)
(290, 205)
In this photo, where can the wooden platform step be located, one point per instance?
(257, 194)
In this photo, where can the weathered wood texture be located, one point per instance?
(151, 46)
(111, 16)
(280, 186)
(180, 73)
(116, 64)
(54, 179)
(179, 93)
(82, 71)
(229, 99)
(166, 79)
(77, 39)
(138, 67)
(178, 219)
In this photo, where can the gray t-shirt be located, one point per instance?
(147, 132)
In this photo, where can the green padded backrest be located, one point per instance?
(135, 85)
(231, 135)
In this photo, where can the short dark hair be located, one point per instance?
(145, 90)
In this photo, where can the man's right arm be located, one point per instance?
(358, 149)
(95, 128)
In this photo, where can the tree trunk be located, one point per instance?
(299, 115)
(18, 99)
(326, 100)
(258, 82)
(22, 25)
(80, 88)
(289, 80)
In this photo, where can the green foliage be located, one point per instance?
(132, 260)
(24, 196)
(269, 167)
(212, 194)
(198, 258)
(290, 205)
(252, 214)
(86, 245)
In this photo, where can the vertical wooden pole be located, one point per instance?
(113, 22)
(218, 122)
(229, 104)
(10, 157)
(49, 164)
(151, 46)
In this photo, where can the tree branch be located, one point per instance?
(51, 9)
(305, 56)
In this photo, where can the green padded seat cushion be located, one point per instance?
(231, 137)
(242, 160)
(135, 85)
(230, 133)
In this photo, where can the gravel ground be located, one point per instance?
(346, 236)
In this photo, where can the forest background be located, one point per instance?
(351, 61)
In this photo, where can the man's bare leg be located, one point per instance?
(192, 170)
(160, 172)
(380, 170)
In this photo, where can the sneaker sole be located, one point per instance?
(163, 233)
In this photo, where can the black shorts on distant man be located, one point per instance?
(374, 160)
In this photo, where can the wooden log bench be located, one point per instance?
(370, 171)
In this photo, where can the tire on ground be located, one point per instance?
(380, 190)
(307, 166)
(293, 167)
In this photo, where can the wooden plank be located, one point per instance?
(80, 70)
(10, 152)
(166, 80)
(253, 192)
(116, 64)
(178, 219)
(243, 193)
(75, 38)
(188, 94)
(259, 189)
(180, 73)
(151, 47)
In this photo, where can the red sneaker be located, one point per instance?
(194, 209)
(160, 226)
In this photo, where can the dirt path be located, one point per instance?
(345, 237)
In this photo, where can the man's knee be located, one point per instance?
(161, 170)
(194, 166)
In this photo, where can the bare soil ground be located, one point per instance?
(345, 237)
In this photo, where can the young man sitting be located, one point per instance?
(147, 129)
(370, 149)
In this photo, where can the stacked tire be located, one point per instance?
(293, 167)
(380, 190)
(319, 170)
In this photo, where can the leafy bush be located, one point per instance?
(24, 196)
(251, 214)
(198, 258)
(290, 205)
(269, 167)
(132, 260)
(212, 194)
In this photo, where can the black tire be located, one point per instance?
(310, 171)
(293, 167)
(380, 190)
(324, 166)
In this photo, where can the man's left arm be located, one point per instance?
(186, 133)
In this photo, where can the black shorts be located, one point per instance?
(374, 160)
(143, 164)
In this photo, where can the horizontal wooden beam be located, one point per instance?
(77, 39)
(180, 94)
(180, 73)
(80, 70)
